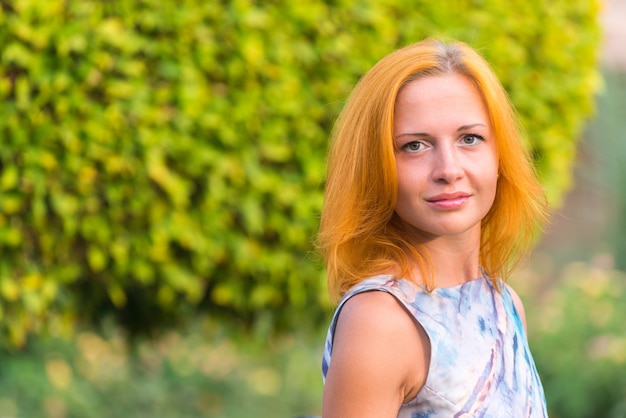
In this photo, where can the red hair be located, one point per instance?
(360, 235)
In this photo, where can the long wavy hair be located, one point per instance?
(360, 235)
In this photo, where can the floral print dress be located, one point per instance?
(480, 366)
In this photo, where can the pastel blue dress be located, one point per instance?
(480, 365)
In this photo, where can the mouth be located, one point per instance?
(449, 200)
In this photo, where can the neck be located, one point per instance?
(453, 260)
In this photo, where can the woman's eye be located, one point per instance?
(471, 139)
(413, 146)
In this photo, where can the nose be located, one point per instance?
(447, 166)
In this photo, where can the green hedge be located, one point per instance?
(161, 157)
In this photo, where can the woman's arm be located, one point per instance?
(380, 359)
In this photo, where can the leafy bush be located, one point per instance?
(164, 156)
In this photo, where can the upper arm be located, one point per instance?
(379, 359)
(519, 306)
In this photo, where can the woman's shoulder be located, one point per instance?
(372, 307)
(375, 308)
(376, 340)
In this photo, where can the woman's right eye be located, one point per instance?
(413, 146)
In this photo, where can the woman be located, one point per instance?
(430, 202)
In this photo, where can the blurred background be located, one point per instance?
(161, 177)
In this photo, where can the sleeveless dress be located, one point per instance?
(480, 365)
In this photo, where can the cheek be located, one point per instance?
(491, 171)
(412, 184)
(408, 178)
(492, 190)
(404, 182)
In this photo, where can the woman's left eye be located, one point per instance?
(471, 139)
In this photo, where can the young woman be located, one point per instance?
(430, 201)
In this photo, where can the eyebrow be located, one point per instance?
(459, 129)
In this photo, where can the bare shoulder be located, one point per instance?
(519, 305)
(379, 311)
(379, 360)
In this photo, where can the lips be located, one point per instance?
(449, 200)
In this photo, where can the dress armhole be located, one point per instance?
(518, 306)
(402, 303)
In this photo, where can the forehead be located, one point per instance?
(435, 99)
(439, 85)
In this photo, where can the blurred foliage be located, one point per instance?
(576, 334)
(196, 372)
(164, 156)
(578, 338)
(606, 136)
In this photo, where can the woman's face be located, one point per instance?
(446, 157)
